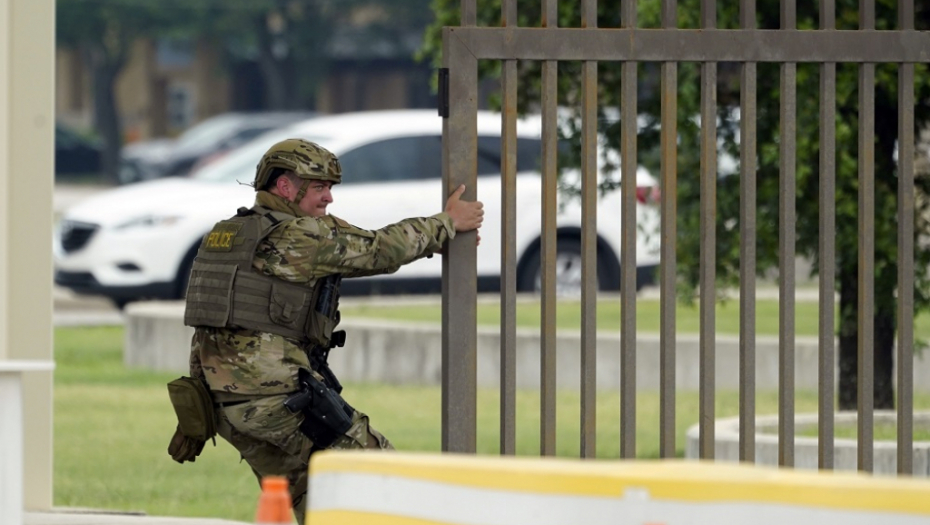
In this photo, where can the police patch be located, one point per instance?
(222, 237)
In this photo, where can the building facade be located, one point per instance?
(167, 86)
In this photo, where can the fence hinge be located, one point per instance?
(444, 92)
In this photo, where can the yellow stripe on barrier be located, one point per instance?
(671, 480)
(342, 517)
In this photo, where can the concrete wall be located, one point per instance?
(134, 91)
(27, 61)
(410, 354)
(141, 89)
(72, 89)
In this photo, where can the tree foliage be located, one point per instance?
(291, 41)
(286, 38)
(296, 41)
(767, 176)
(103, 31)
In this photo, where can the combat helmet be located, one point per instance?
(306, 159)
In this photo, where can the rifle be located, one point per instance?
(327, 304)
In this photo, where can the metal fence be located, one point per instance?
(464, 46)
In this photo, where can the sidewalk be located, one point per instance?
(92, 517)
(71, 309)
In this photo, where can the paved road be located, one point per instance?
(70, 309)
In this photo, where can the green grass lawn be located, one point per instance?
(568, 316)
(112, 426)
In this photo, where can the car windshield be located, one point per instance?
(206, 131)
(239, 165)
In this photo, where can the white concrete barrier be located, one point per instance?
(369, 488)
(806, 451)
(11, 436)
(407, 353)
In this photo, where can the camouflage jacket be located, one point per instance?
(301, 251)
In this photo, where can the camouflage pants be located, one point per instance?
(269, 439)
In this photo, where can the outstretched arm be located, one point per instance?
(309, 247)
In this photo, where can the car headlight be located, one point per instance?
(149, 221)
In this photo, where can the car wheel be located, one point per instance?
(120, 304)
(567, 269)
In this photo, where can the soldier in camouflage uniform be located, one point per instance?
(251, 372)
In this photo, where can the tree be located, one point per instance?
(103, 32)
(286, 38)
(727, 249)
(293, 40)
(290, 40)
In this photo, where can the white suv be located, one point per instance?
(138, 241)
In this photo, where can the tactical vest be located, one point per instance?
(225, 291)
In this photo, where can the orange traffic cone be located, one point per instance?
(274, 505)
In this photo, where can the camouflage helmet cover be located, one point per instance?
(306, 159)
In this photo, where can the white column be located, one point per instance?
(27, 120)
(11, 437)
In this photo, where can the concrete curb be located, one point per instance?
(806, 452)
(408, 353)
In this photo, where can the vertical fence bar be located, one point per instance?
(459, 274)
(628, 162)
(509, 13)
(589, 243)
(866, 351)
(786, 249)
(667, 267)
(747, 247)
(708, 257)
(827, 248)
(469, 12)
(548, 248)
(905, 346)
(508, 400)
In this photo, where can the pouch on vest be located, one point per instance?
(209, 293)
(196, 416)
(182, 448)
(287, 304)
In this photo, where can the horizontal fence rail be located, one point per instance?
(694, 45)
